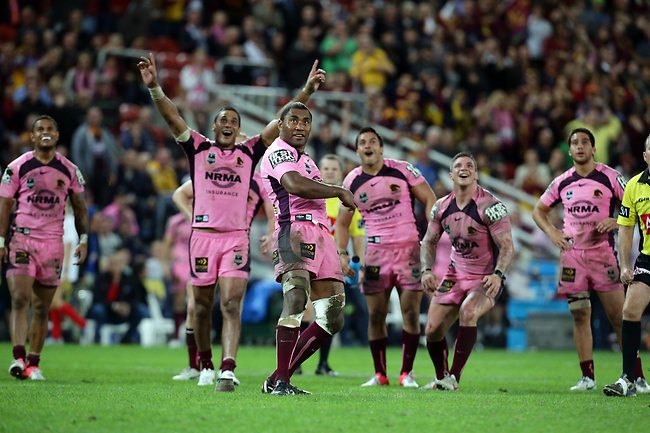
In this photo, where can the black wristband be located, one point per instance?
(342, 252)
(499, 274)
(423, 270)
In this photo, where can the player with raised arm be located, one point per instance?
(589, 193)
(304, 255)
(221, 173)
(635, 211)
(40, 181)
(479, 228)
(384, 191)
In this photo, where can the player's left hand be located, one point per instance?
(81, 253)
(492, 285)
(315, 79)
(607, 225)
(266, 243)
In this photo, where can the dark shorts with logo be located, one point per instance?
(306, 246)
(642, 269)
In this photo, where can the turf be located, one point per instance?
(129, 389)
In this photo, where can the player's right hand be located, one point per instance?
(560, 240)
(345, 266)
(429, 281)
(626, 275)
(147, 67)
(347, 198)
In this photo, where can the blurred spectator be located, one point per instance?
(532, 176)
(95, 152)
(119, 211)
(300, 57)
(194, 36)
(199, 82)
(370, 65)
(82, 77)
(119, 296)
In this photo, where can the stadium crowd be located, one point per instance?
(505, 80)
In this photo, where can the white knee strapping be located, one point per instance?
(578, 301)
(291, 321)
(327, 309)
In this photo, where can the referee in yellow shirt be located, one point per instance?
(331, 171)
(635, 211)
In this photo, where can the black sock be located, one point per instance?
(325, 352)
(631, 340)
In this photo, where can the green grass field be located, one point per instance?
(129, 389)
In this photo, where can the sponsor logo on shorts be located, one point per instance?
(446, 286)
(372, 273)
(275, 257)
(239, 259)
(223, 177)
(30, 183)
(568, 275)
(57, 267)
(201, 218)
(612, 275)
(582, 209)
(307, 251)
(280, 156)
(22, 258)
(200, 264)
(363, 197)
(44, 199)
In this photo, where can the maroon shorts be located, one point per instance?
(38, 258)
(306, 246)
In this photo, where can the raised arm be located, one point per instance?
(80, 211)
(165, 106)
(315, 78)
(183, 198)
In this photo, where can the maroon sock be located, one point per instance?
(192, 351)
(205, 359)
(438, 352)
(33, 359)
(285, 343)
(587, 368)
(465, 341)
(228, 364)
(378, 350)
(179, 318)
(308, 343)
(409, 349)
(638, 368)
(20, 352)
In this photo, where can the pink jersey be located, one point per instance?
(279, 159)
(40, 191)
(221, 180)
(385, 201)
(257, 196)
(587, 201)
(470, 230)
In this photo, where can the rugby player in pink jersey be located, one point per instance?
(40, 181)
(221, 173)
(589, 192)
(304, 255)
(183, 198)
(384, 191)
(479, 228)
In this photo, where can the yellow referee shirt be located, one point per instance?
(635, 208)
(356, 225)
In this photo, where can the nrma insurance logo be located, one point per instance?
(223, 177)
(582, 209)
(44, 199)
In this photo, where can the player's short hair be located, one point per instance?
(333, 157)
(368, 129)
(591, 137)
(228, 108)
(44, 117)
(463, 155)
(647, 143)
(296, 105)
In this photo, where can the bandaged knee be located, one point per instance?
(328, 310)
(296, 282)
(291, 321)
(578, 301)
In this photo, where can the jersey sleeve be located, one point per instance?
(435, 223)
(496, 216)
(9, 184)
(552, 194)
(78, 182)
(256, 147)
(627, 214)
(282, 161)
(193, 143)
(413, 175)
(619, 185)
(357, 226)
